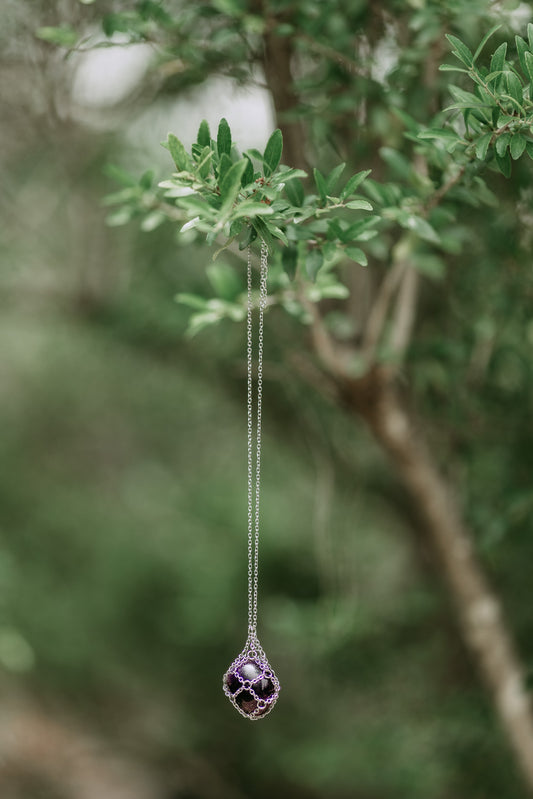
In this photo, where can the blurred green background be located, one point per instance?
(123, 504)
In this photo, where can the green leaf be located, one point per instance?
(530, 35)
(502, 143)
(529, 149)
(121, 216)
(230, 186)
(452, 68)
(360, 205)
(482, 146)
(332, 178)
(120, 175)
(320, 183)
(272, 154)
(250, 235)
(224, 166)
(522, 49)
(514, 87)
(204, 162)
(357, 255)
(518, 145)
(289, 260)
(439, 133)
(152, 221)
(192, 301)
(224, 138)
(484, 40)
(204, 134)
(285, 175)
(224, 280)
(504, 164)
(146, 180)
(529, 66)
(354, 182)
(178, 153)
(295, 192)
(466, 99)
(421, 227)
(197, 206)
(497, 62)
(64, 36)
(461, 50)
(313, 261)
(251, 208)
(248, 174)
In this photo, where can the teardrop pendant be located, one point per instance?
(250, 683)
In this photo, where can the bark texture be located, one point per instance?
(478, 609)
(277, 66)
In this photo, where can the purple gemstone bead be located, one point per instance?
(250, 688)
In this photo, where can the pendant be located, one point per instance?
(250, 683)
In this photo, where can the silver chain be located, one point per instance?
(253, 498)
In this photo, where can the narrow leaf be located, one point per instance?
(504, 164)
(518, 145)
(248, 174)
(482, 146)
(295, 192)
(360, 205)
(250, 235)
(224, 167)
(230, 186)
(357, 255)
(320, 184)
(289, 260)
(332, 178)
(502, 143)
(452, 68)
(514, 87)
(272, 154)
(251, 209)
(530, 35)
(497, 62)
(484, 40)
(522, 49)
(204, 162)
(178, 153)
(461, 50)
(354, 183)
(421, 227)
(204, 134)
(529, 66)
(224, 138)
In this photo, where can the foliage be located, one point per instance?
(228, 197)
(121, 582)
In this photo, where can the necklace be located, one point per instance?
(250, 683)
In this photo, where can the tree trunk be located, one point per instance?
(277, 66)
(479, 613)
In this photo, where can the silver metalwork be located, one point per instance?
(250, 682)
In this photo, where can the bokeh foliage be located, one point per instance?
(122, 558)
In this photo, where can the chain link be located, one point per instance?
(253, 497)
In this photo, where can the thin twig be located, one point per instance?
(404, 311)
(380, 309)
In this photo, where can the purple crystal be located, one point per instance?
(250, 685)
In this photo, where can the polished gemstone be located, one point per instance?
(251, 687)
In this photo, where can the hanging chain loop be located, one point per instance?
(254, 486)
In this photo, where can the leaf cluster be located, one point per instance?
(498, 114)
